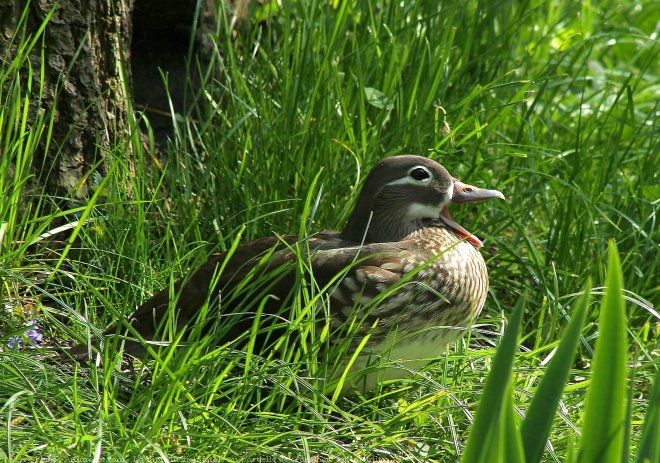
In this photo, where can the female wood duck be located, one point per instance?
(410, 275)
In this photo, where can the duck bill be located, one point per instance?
(464, 193)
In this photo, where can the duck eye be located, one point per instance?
(419, 174)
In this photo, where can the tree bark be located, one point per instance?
(99, 54)
(85, 51)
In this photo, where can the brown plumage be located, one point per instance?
(402, 266)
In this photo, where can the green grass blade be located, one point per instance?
(483, 438)
(538, 421)
(604, 416)
(649, 447)
(510, 440)
(570, 450)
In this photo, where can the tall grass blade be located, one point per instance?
(604, 416)
(538, 421)
(511, 449)
(483, 437)
(649, 447)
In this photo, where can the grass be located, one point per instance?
(553, 103)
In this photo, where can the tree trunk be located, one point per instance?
(93, 62)
(85, 47)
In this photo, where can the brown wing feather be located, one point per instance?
(191, 292)
(349, 269)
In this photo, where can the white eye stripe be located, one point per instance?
(408, 180)
(404, 181)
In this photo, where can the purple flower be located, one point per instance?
(32, 335)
